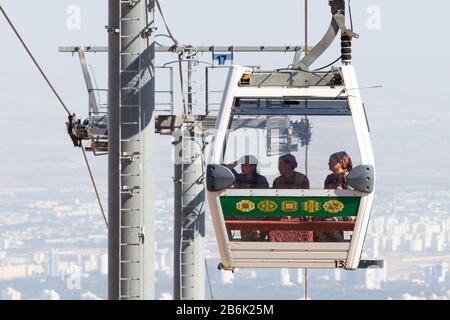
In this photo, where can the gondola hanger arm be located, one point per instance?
(337, 24)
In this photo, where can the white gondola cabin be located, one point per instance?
(263, 117)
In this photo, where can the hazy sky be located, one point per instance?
(405, 50)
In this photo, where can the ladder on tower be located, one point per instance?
(190, 84)
(191, 154)
(130, 134)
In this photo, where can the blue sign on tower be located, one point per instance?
(222, 58)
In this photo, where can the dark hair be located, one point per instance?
(344, 159)
(256, 172)
(255, 175)
(289, 159)
(255, 166)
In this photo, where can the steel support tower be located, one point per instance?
(131, 123)
(189, 222)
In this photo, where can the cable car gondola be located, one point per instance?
(249, 107)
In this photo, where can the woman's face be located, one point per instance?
(248, 169)
(334, 166)
(284, 168)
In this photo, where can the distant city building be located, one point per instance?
(437, 274)
(300, 276)
(416, 245)
(39, 257)
(91, 264)
(4, 244)
(11, 294)
(285, 277)
(16, 271)
(89, 296)
(50, 294)
(372, 247)
(393, 243)
(103, 263)
(252, 275)
(166, 296)
(354, 278)
(427, 240)
(374, 277)
(162, 262)
(226, 277)
(337, 275)
(438, 243)
(54, 270)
